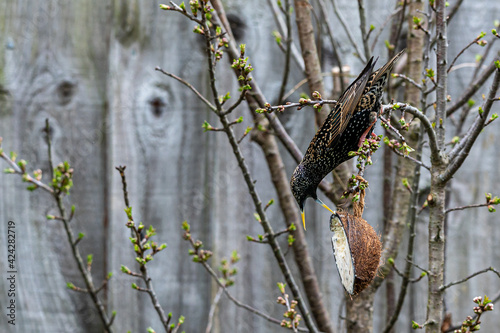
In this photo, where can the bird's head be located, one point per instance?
(304, 186)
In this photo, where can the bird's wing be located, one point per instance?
(378, 78)
(346, 105)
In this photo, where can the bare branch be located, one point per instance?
(467, 207)
(144, 271)
(461, 151)
(299, 105)
(237, 302)
(472, 89)
(362, 26)
(474, 41)
(26, 177)
(211, 313)
(187, 84)
(425, 122)
(409, 80)
(387, 20)
(282, 26)
(334, 43)
(414, 160)
(248, 178)
(454, 9)
(288, 50)
(348, 31)
(470, 277)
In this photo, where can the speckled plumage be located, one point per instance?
(350, 120)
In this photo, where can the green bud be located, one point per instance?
(281, 287)
(257, 217)
(415, 325)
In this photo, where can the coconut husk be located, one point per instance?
(357, 249)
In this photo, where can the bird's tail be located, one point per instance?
(383, 72)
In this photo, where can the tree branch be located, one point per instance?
(282, 26)
(348, 31)
(472, 89)
(461, 152)
(442, 288)
(474, 41)
(187, 84)
(362, 26)
(425, 122)
(249, 180)
(288, 49)
(140, 241)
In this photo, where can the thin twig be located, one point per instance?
(382, 27)
(237, 103)
(413, 280)
(144, 271)
(176, 8)
(187, 84)
(87, 277)
(494, 299)
(298, 105)
(334, 43)
(288, 49)
(474, 41)
(281, 25)
(251, 185)
(446, 286)
(425, 122)
(26, 177)
(472, 89)
(211, 313)
(414, 160)
(461, 150)
(362, 25)
(453, 10)
(467, 207)
(237, 302)
(409, 80)
(348, 32)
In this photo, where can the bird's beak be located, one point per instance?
(322, 204)
(303, 218)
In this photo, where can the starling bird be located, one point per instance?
(344, 130)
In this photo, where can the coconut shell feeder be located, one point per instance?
(357, 248)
